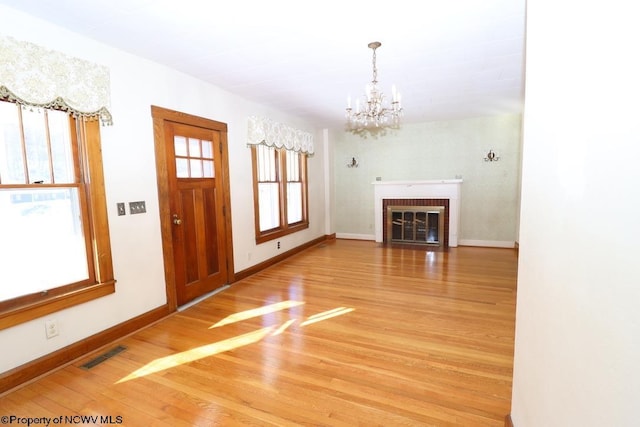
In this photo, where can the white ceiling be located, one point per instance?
(449, 58)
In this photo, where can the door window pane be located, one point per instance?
(194, 147)
(180, 145)
(194, 157)
(196, 168)
(207, 149)
(182, 168)
(207, 166)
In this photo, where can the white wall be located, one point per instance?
(129, 166)
(436, 150)
(577, 349)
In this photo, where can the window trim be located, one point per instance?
(281, 175)
(19, 310)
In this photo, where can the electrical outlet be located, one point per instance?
(278, 245)
(137, 207)
(51, 328)
(121, 209)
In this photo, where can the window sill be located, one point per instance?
(15, 316)
(271, 235)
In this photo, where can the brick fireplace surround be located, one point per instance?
(423, 193)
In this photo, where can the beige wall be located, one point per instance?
(436, 150)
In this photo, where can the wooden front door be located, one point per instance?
(196, 232)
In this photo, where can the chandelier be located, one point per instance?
(374, 113)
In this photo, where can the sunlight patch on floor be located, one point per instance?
(283, 327)
(197, 353)
(257, 312)
(327, 315)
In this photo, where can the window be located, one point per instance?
(280, 192)
(54, 245)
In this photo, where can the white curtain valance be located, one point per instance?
(273, 134)
(37, 77)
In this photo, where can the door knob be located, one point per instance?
(176, 220)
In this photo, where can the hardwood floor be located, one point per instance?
(346, 333)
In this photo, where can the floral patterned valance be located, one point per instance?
(34, 76)
(273, 134)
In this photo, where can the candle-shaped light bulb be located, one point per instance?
(394, 93)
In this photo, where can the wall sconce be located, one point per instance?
(353, 163)
(491, 157)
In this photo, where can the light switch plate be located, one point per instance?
(137, 207)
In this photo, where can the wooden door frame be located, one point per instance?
(160, 116)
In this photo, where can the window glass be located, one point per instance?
(12, 165)
(269, 201)
(182, 168)
(208, 170)
(294, 202)
(180, 145)
(194, 158)
(280, 191)
(194, 148)
(294, 187)
(207, 149)
(42, 234)
(267, 171)
(195, 165)
(61, 150)
(36, 147)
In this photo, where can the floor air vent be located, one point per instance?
(108, 355)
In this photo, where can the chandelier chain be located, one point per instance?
(375, 69)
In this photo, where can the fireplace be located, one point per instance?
(437, 193)
(412, 213)
(418, 225)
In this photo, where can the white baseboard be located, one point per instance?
(487, 243)
(462, 242)
(352, 236)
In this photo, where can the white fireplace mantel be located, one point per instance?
(434, 189)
